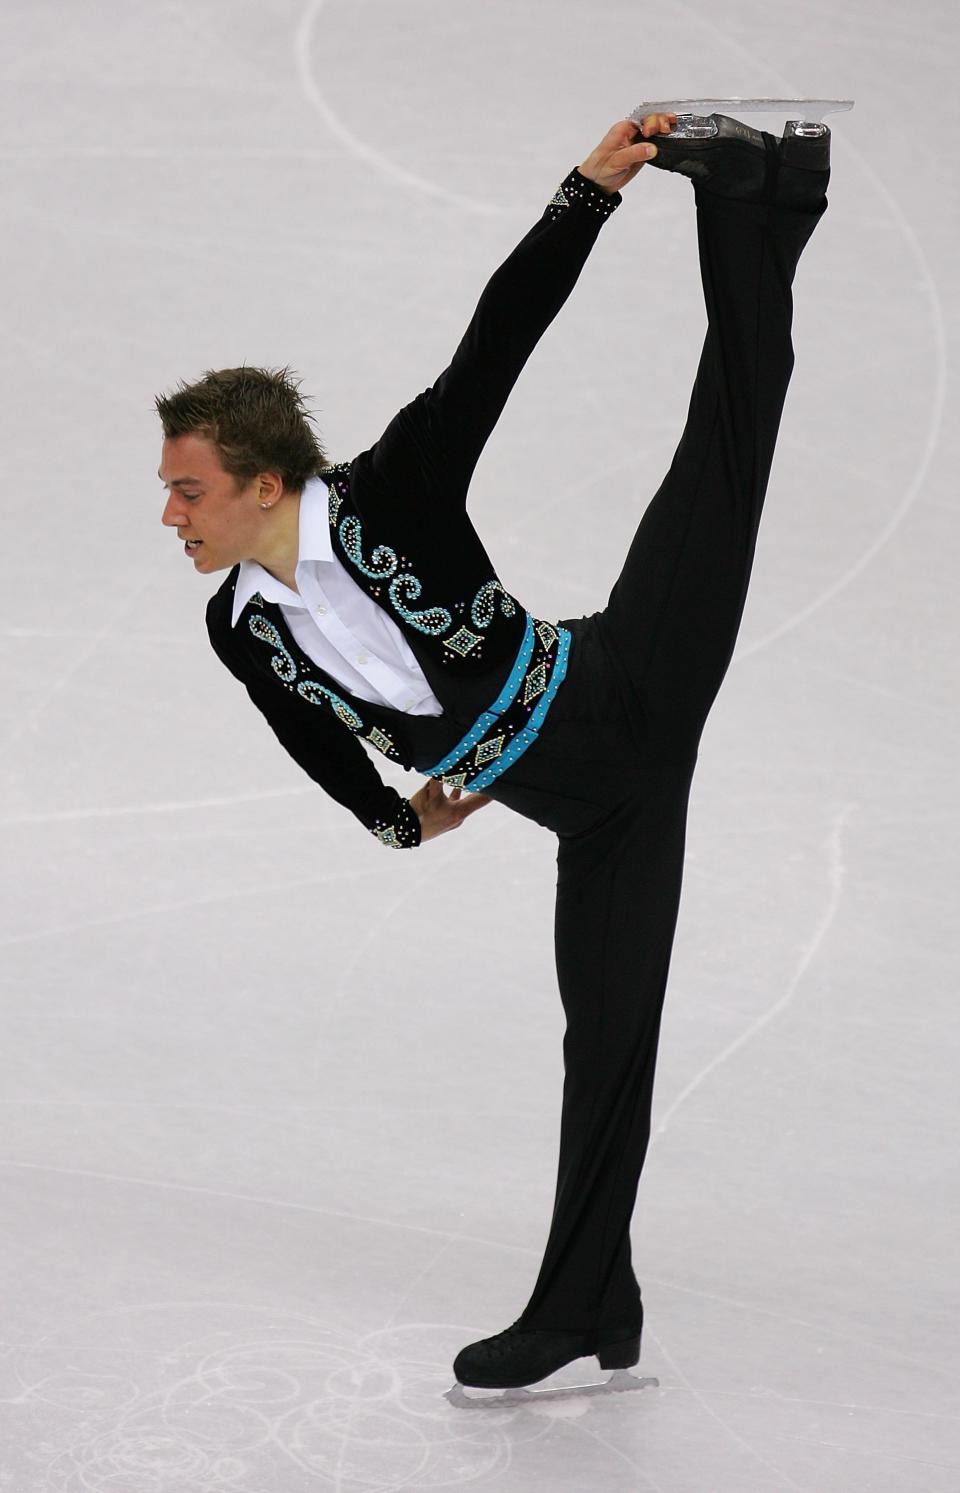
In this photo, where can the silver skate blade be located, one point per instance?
(619, 1381)
(811, 110)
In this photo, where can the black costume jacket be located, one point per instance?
(399, 525)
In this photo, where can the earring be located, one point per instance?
(264, 505)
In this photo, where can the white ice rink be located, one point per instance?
(281, 1109)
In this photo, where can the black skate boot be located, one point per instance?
(804, 167)
(724, 156)
(518, 1357)
(718, 153)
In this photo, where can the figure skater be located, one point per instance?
(361, 610)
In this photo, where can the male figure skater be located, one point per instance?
(361, 607)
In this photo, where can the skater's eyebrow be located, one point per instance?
(181, 481)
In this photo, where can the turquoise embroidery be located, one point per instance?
(383, 556)
(503, 733)
(281, 662)
(406, 588)
(483, 605)
(315, 694)
(433, 621)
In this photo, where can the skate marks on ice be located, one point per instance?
(223, 1395)
(731, 47)
(315, 97)
(835, 877)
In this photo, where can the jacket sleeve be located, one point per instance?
(333, 758)
(432, 446)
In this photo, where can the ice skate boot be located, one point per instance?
(804, 164)
(711, 145)
(518, 1357)
(717, 152)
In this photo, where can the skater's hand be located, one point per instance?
(624, 151)
(439, 812)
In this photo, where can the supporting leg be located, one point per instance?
(618, 893)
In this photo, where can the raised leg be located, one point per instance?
(674, 613)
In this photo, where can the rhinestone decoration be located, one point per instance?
(483, 605)
(384, 560)
(404, 833)
(433, 621)
(536, 683)
(501, 733)
(406, 588)
(281, 663)
(577, 189)
(379, 739)
(462, 641)
(487, 750)
(315, 693)
(504, 732)
(318, 694)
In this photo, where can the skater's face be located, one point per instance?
(208, 505)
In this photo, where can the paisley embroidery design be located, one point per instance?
(281, 663)
(433, 621)
(483, 605)
(384, 562)
(404, 589)
(314, 692)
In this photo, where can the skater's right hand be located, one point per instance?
(437, 812)
(623, 151)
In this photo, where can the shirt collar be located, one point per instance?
(313, 543)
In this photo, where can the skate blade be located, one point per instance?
(620, 1381)
(810, 110)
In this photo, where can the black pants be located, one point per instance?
(611, 772)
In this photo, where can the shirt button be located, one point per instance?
(362, 658)
(321, 611)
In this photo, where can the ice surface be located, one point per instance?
(281, 1108)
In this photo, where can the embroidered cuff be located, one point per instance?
(577, 189)
(403, 833)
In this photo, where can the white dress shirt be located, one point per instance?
(335, 622)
